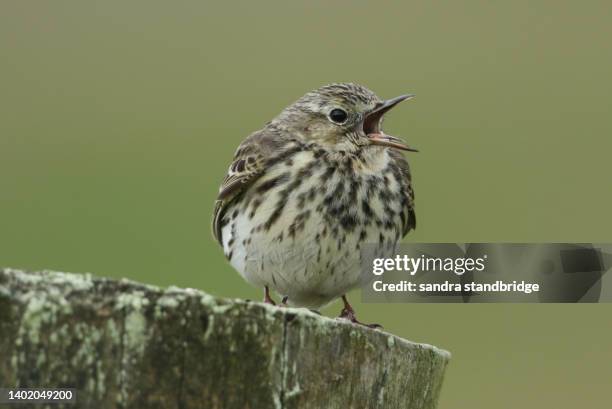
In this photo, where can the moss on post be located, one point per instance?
(126, 345)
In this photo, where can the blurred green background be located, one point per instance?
(118, 121)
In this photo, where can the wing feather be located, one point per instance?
(248, 165)
(408, 192)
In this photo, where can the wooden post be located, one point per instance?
(127, 345)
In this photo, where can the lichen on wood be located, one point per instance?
(121, 344)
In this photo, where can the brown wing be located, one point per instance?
(408, 198)
(248, 165)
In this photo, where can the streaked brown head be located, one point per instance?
(340, 116)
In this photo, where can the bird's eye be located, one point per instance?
(338, 116)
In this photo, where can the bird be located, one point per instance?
(305, 194)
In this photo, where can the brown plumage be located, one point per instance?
(304, 193)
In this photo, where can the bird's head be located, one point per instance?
(342, 116)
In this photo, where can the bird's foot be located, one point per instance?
(267, 299)
(348, 313)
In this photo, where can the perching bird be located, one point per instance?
(307, 191)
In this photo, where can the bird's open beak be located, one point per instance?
(372, 125)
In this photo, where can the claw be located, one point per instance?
(348, 313)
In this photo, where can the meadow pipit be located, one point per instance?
(304, 193)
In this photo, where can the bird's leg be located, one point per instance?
(267, 299)
(348, 313)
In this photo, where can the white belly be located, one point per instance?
(311, 264)
(310, 271)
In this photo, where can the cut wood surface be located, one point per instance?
(122, 344)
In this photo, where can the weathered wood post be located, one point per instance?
(127, 345)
